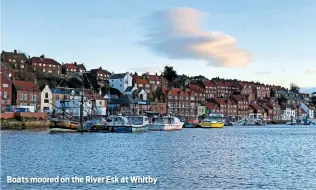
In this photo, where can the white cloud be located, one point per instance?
(151, 70)
(177, 34)
(311, 71)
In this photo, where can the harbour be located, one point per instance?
(271, 156)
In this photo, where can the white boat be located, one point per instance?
(166, 123)
(129, 124)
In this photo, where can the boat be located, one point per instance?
(61, 125)
(128, 124)
(213, 121)
(229, 123)
(166, 123)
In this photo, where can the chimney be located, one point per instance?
(75, 63)
(15, 51)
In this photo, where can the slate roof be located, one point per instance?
(129, 89)
(118, 76)
(127, 99)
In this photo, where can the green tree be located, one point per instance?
(294, 88)
(282, 99)
(169, 74)
(158, 93)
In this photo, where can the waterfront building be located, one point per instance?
(257, 109)
(121, 81)
(26, 93)
(242, 105)
(46, 99)
(287, 112)
(142, 83)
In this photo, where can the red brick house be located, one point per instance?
(210, 89)
(5, 91)
(45, 65)
(256, 109)
(71, 68)
(16, 61)
(154, 81)
(26, 93)
(242, 105)
(268, 111)
(198, 92)
(247, 90)
(261, 91)
(212, 108)
(223, 90)
(100, 74)
(225, 105)
(276, 109)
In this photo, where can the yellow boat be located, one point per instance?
(214, 121)
(211, 124)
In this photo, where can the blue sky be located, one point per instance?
(280, 36)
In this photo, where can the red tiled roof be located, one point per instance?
(237, 97)
(208, 83)
(26, 86)
(174, 91)
(70, 66)
(44, 61)
(255, 106)
(221, 101)
(210, 106)
(141, 81)
(153, 77)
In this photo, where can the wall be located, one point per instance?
(28, 101)
(26, 115)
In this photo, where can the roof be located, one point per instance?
(175, 91)
(13, 55)
(81, 66)
(5, 78)
(44, 61)
(255, 106)
(141, 81)
(153, 77)
(221, 101)
(70, 66)
(100, 71)
(208, 83)
(210, 106)
(26, 86)
(118, 76)
(129, 89)
(284, 106)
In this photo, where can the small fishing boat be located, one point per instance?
(166, 123)
(213, 121)
(64, 126)
(129, 124)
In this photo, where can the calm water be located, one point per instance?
(271, 157)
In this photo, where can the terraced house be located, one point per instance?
(16, 61)
(5, 91)
(26, 93)
(45, 65)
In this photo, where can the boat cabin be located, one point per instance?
(138, 120)
(167, 120)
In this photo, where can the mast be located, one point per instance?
(81, 104)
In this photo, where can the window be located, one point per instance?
(22, 66)
(44, 65)
(35, 64)
(100, 103)
(40, 64)
(21, 96)
(140, 85)
(25, 96)
(50, 65)
(5, 85)
(46, 101)
(53, 65)
(5, 94)
(13, 60)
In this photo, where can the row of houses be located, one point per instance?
(148, 92)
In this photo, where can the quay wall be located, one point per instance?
(25, 115)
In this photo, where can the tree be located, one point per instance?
(294, 88)
(158, 93)
(313, 100)
(136, 74)
(42, 56)
(272, 93)
(169, 74)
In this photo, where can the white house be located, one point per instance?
(140, 92)
(121, 81)
(307, 110)
(46, 99)
(287, 112)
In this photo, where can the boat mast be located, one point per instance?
(81, 105)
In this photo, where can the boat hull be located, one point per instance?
(165, 127)
(212, 125)
(64, 126)
(128, 129)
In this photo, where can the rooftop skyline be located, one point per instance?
(267, 41)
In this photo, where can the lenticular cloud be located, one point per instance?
(177, 34)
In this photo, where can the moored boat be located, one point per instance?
(166, 123)
(213, 121)
(129, 124)
(63, 126)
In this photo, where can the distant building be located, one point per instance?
(287, 112)
(121, 81)
(46, 99)
(5, 91)
(100, 74)
(71, 68)
(45, 65)
(16, 61)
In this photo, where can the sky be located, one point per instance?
(273, 42)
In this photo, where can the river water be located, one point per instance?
(269, 157)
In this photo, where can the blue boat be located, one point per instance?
(128, 124)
